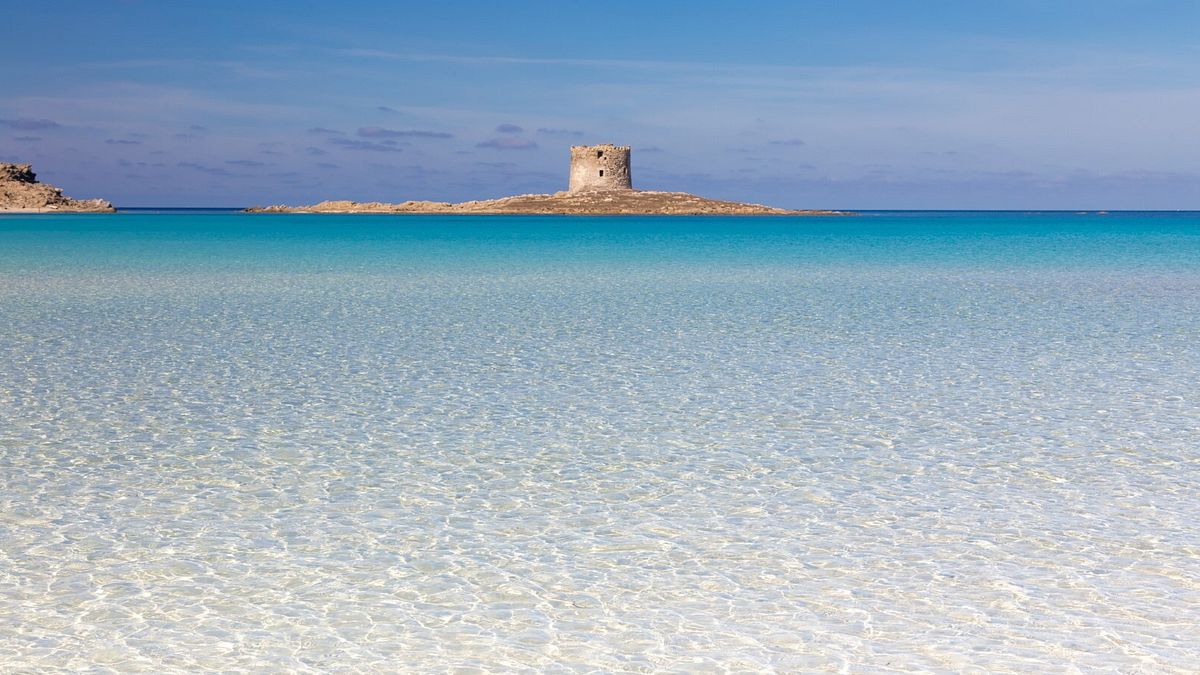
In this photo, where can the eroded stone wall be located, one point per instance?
(600, 167)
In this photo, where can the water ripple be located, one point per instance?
(730, 468)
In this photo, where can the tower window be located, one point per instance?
(601, 173)
(599, 154)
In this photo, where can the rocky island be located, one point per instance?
(20, 192)
(600, 184)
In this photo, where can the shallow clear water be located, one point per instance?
(887, 442)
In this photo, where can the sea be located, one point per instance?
(881, 442)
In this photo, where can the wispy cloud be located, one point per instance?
(126, 162)
(27, 139)
(244, 162)
(787, 141)
(121, 141)
(211, 170)
(509, 128)
(322, 131)
(511, 60)
(246, 69)
(380, 132)
(559, 132)
(29, 124)
(508, 144)
(350, 144)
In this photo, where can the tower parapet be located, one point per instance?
(600, 167)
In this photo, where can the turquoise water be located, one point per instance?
(906, 441)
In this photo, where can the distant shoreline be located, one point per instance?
(149, 210)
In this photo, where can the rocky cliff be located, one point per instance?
(21, 192)
(613, 202)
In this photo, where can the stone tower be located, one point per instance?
(600, 167)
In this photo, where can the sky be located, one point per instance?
(867, 104)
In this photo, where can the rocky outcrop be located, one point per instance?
(20, 192)
(610, 202)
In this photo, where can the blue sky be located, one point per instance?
(847, 104)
